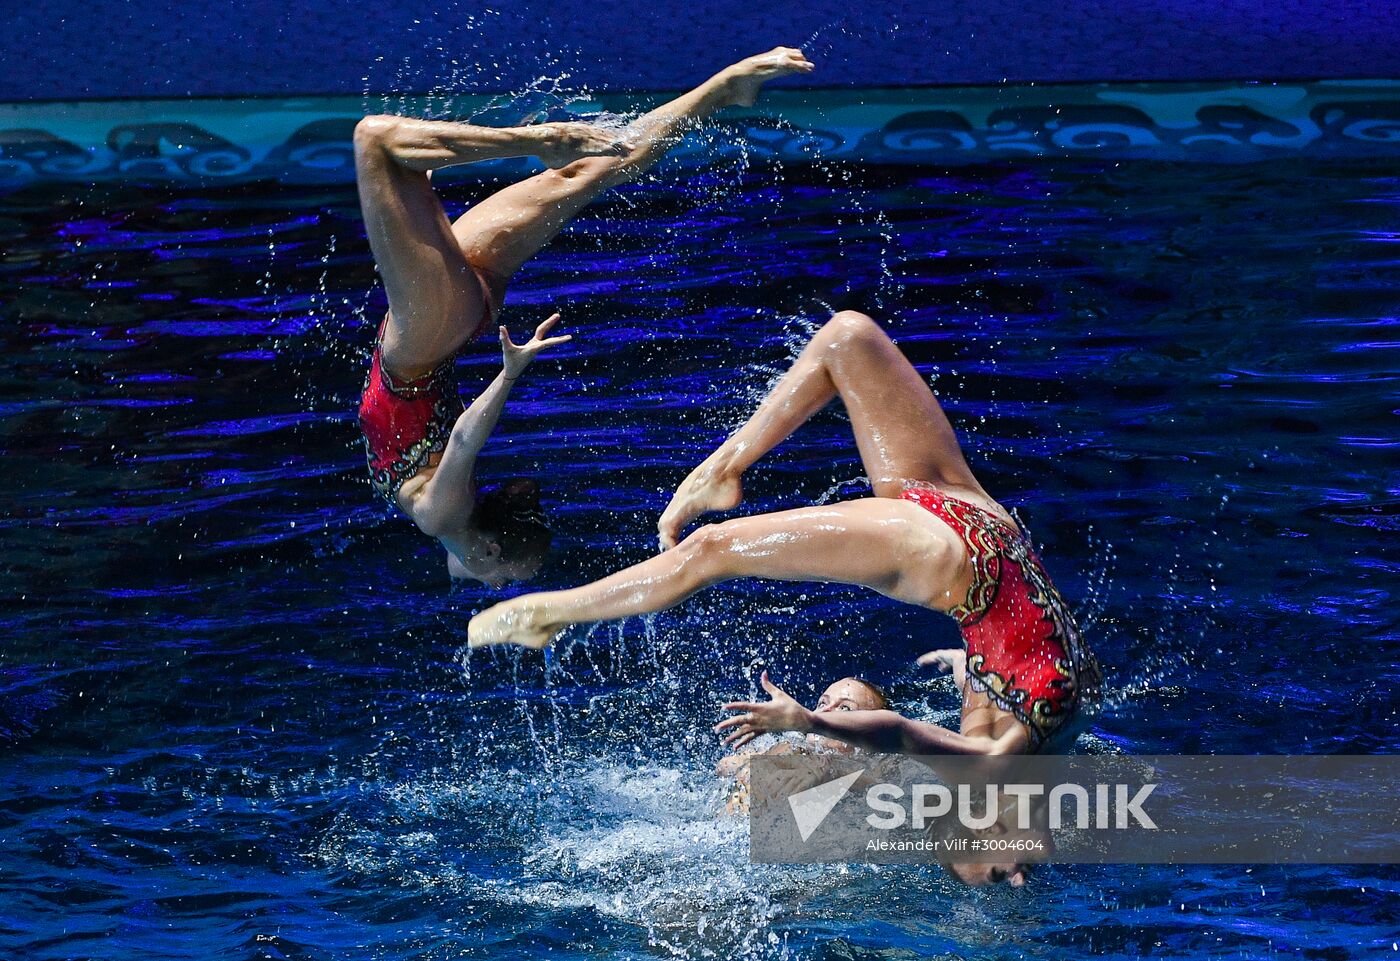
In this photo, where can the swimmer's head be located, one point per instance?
(1013, 873)
(1005, 833)
(509, 520)
(847, 694)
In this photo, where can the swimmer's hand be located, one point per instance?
(948, 659)
(517, 357)
(755, 718)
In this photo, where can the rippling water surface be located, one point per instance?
(237, 721)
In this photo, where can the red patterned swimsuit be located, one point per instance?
(1023, 648)
(406, 422)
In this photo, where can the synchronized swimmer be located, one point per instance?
(930, 535)
(446, 281)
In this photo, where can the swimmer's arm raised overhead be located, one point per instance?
(883, 731)
(451, 492)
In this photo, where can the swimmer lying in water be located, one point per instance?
(930, 536)
(445, 282)
(847, 694)
(850, 716)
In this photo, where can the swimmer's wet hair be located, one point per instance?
(511, 511)
(875, 689)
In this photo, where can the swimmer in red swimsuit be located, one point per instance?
(930, 536)
(445, 282)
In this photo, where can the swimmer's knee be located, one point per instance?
(851, 326)
(705, 547)
(705, 539)
(375, 132)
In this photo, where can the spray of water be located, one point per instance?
(599, 792)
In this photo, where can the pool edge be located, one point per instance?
(307, 139)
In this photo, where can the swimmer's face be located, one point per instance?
(495, 578)
(847, 694)
(518, 570)
(527, 559)
(494, 572)
(502, 573)
(1013, 873)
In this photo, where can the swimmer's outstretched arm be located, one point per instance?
(450, 494)
(882, 731)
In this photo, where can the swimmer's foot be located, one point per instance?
(744, 79)
(560, 144)
(516, 621)
(710, 487)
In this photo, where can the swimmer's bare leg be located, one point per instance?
(885, 544)
(435, 300)
(508, 228)
(900, 428)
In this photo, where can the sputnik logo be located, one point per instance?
(810, 807)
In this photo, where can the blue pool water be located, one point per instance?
(237, 720)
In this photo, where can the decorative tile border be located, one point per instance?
(308, 140)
